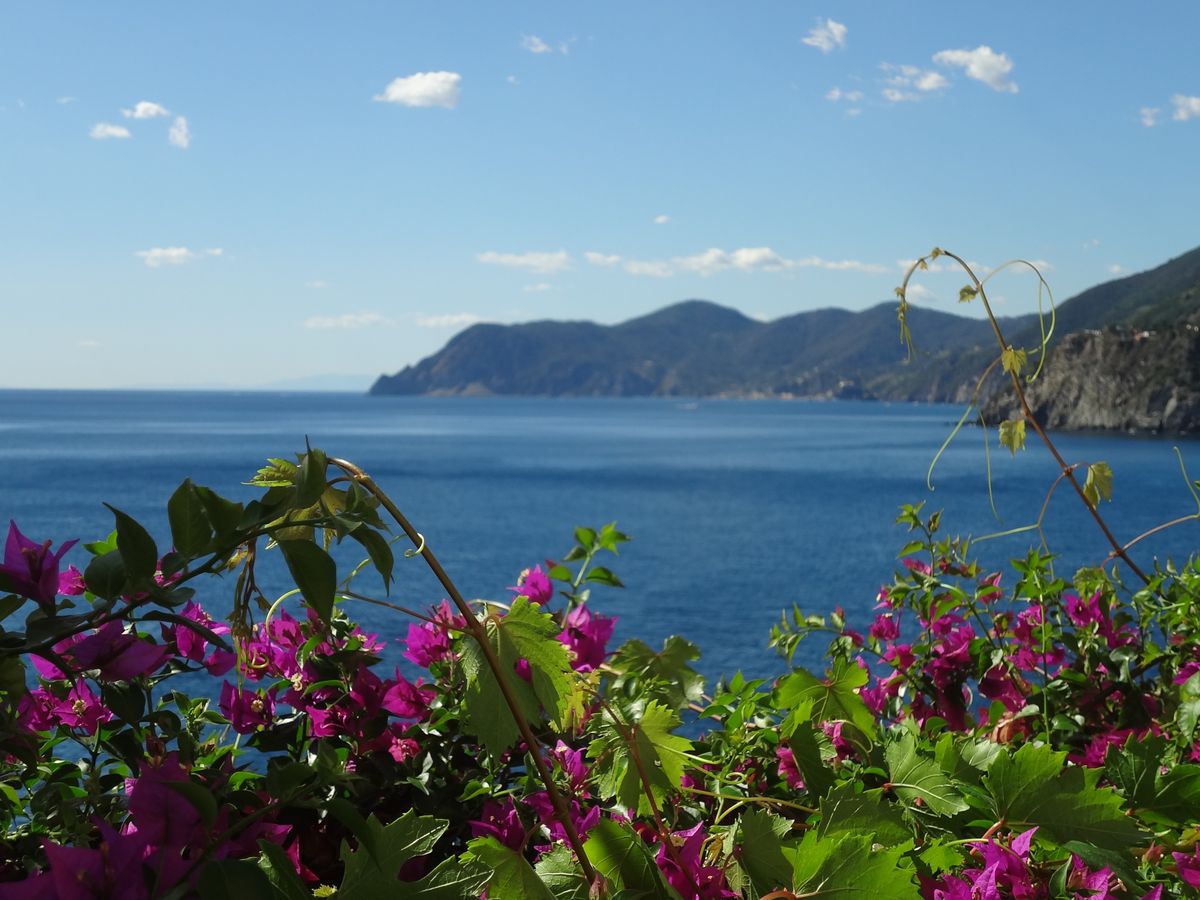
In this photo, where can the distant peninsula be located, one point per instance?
(1128, 358)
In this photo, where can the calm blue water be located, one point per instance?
(737, 509)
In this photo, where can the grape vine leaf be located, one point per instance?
(759, 851)
(835, 699)
(1012, 435)
(620, 855)
(915, 778)
(1012, 360)
(845, 866)
(512, 878)
(1031, 787)
(844, 810)
(1098, 484)
(657, 750)
(524, 633)
(373, 874)
(561, 875)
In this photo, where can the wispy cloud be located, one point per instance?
(535, 44)
(1116, 269)
(103, 131)
(179, 135)
(316, 284)
(156, 257)
(145, 109)
(538, 288)
(448, 320)
(347, 320)
(983, 64)
(63, 101)
(540, 263)
(87, 343)
(1149, 115)
(744, 259)
(837, 95)
(606, 260)
(1185, 108)
(423, 89)
(827, 36)
(907, 83)
(661, 220)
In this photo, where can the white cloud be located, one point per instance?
(661, 220)
(535, 44)
(448, 320)
(907, 83)
(513, 79)
(836, 94)
(1149, 115)
(346, 320)
(826, 36)
(540, 263)
(983, 64)
(316, 285)
(63, 101)
(649, 268)
(423, 89)
(144, 109)
(538, 288)
(1116, 269)
(102, 131)
(743, 259)
(173, 256)
(87, 343)
(179, 135)
(854, 111)
(601, 259)
(916, 291)
(1185, 108)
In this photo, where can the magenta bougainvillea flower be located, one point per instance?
(694, 880)
(30, 569)
(430, 641)
(247, 711)
(118, 655)
(194, 646)
(81, 709)
(587, 636)
(788, 770)
(499, 819)
(1187, 865)
(535, 585)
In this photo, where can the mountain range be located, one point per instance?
(700, 349)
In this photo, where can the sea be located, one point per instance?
(737, 510)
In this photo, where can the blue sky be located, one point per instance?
(220, 193)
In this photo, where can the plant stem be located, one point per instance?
(561, 810)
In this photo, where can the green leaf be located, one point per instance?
(190, 531)
(512, 876)
(525, 633)
(1012, 360)
(941, 857)
(601, 575)
(310, 484)
(665, 675)
(379, 550)
(223, 514)
(105, 575)
(586, 537)
(233, 879)
(136, 546)
(845, 866)
(281, 873)
(967, 294)
(451, 879)
(1098, 485)
(314, 572)
(561, 874)
(1031, 787)
(609, 538)
(818, 777)
(833, 700)
(1012, 435)
(658, 751)
(620, 855)
(915, 778)
(759, 838)
(371, 872)
(847, 810)
(1176, 796)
